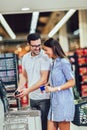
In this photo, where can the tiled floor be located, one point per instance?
(74, 127)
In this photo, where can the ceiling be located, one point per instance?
(15, 6)
(51, 12)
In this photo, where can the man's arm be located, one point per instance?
(43, 80)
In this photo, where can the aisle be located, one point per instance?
(74, 127)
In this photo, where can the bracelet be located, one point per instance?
(59, 88)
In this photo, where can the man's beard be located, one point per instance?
(36, 53)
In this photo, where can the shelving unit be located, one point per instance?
(81, 71)
(9, 75)
(79, 63)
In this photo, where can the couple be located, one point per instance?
(57, 102)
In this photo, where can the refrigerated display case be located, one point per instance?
(9, 75)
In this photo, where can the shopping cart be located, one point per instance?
(23, 120)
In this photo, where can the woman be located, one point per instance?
(61, 82)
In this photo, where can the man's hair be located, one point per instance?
(33, 36)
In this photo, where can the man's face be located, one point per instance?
(35, 47)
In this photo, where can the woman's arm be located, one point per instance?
(68, 84)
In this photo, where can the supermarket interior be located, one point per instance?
(64, 21)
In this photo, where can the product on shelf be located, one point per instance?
(84, 78)
(80, 52)
(82, 70)
(81, 60)
(84, 90)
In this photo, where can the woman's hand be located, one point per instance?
(52, 89)
(49, 89)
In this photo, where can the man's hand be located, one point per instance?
(22, 93)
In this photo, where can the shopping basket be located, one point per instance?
(80, 117)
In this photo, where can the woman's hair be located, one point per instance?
(57, 49)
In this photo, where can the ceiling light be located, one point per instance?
(25, 9)
(7, 27)
(76, 32)
(34, 21)
(1, 38)
(62, 22)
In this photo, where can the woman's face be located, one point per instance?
(48, 51)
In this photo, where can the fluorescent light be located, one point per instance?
(7, 27)
(76, 32)
(25, 9)
(62, 22)
(34, 22)
(1, 38)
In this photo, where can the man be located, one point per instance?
(36, 66)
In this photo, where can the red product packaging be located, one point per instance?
(82, 70)
(84, 78)
(81, 60)
(84, 90)
(80, 52)
(86, 60)
(24, 100)
(85, 51)
(20, 68)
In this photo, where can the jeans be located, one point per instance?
(43, 106)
